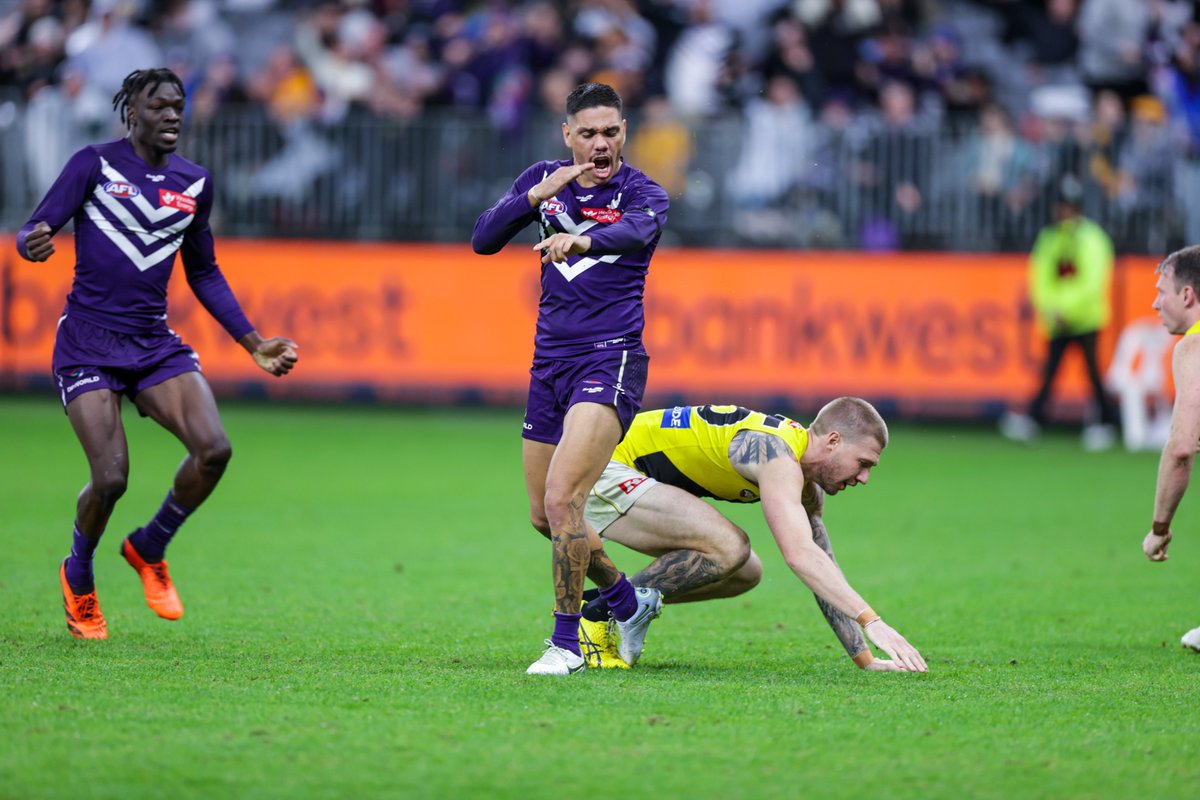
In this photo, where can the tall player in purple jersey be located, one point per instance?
(135, 203)
(600, 221)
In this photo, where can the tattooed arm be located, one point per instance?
(845, 628)
(766, 460)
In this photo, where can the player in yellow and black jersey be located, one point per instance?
(649, 500)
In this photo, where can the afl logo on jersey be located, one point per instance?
(122, 189)
(552, 207)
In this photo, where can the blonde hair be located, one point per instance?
(852, 417)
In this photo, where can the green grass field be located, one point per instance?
(363, 595)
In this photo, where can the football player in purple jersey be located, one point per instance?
(600, 221)
(135, 202)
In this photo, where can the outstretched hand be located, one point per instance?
(896, 646)
(38, 244)
(1155, 546)
(276, 355)
(557, 247)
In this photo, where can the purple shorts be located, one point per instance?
(89, 357)
(610, 377)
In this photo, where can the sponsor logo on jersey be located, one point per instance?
(593, 389)
(584, 198)
(605, 215)
(156, 178)
(177, 201)
(628, 486)
(122, 189)
(677, 417)
(552, 207)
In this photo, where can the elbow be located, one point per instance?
(482, 247)
(1181, 457)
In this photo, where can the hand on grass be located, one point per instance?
(896, 646)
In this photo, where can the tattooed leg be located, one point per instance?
(845, 628)
(741, 581)
(679, 571)
(601, 570)
(572, 558)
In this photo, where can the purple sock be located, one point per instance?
(151, 541)
(566, 632)
(620, 598)
(79, 563)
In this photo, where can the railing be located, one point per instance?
(737, 182)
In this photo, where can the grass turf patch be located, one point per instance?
(363, 594)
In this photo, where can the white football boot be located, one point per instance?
(1191, 639)
(557, 661)
(633, 630)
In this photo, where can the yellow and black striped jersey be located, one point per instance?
(688, 447)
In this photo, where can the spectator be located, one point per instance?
(109, 45)
(776, 143)
(694, 68)
(1113, 36)
(662, 147)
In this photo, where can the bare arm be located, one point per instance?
(768, 461)
(844, 627)
(1178, 456)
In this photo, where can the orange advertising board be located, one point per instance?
(947, 333)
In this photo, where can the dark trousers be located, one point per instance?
(1058, 346)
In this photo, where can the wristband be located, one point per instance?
(1160, 528)
(866, 617)
(863, 659)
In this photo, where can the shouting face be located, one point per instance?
(596, 135)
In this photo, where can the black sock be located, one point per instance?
(596, 609)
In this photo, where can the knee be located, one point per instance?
(750, 575)
(537, 518)
(561, 505)
(732, 551)
(213, 456)
(109, 485)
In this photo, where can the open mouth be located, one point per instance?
(169, 135)
(603, 166)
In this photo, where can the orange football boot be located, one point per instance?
(84, 619)
(156, 583)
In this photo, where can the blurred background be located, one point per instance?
(861, 127)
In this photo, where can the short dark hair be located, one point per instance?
(592, 95)
(1185, 264)
(138, 80)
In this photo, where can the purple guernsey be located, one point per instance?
(130, 219)
(593, 301)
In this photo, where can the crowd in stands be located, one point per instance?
(1114, 84)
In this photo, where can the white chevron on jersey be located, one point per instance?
(572, 271)
(117, 237)
(153, 214)
(171, 236)
(568, 225)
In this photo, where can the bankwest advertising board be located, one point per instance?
(945, 334)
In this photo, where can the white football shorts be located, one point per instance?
(618, 488)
